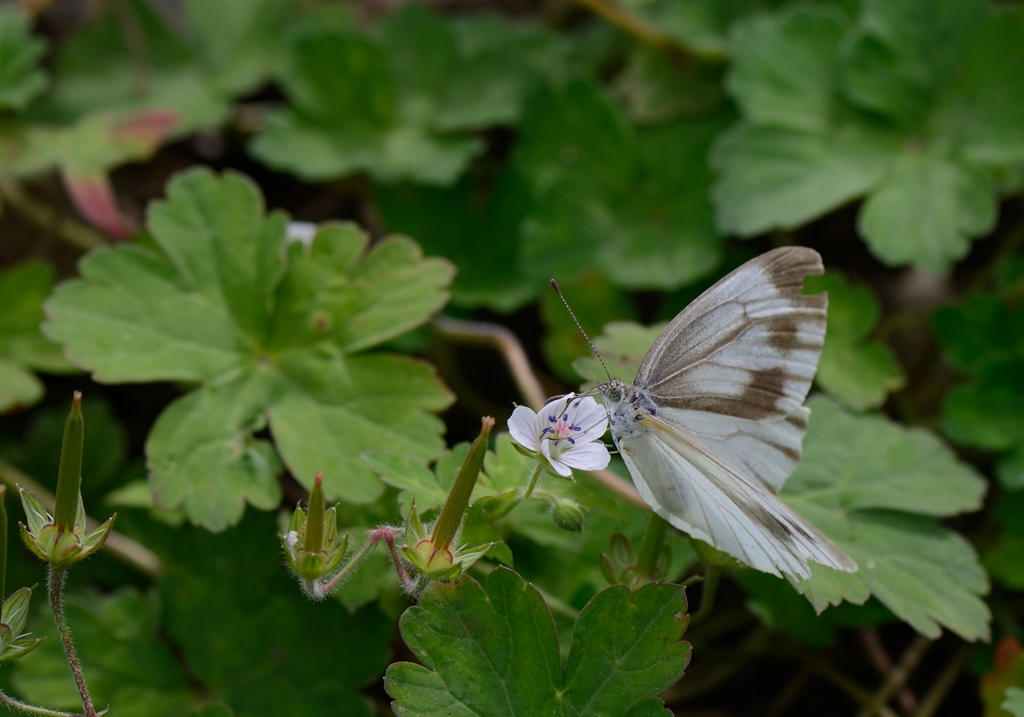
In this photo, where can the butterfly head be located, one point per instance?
(613, 390)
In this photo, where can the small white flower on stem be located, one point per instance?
(565, 434)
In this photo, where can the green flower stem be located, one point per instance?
(55, 593)
(650, 546)
(707, 598)
(537, 470)
(32, 709)
(69, 477)
(458, 497)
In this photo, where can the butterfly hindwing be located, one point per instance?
(689, 484)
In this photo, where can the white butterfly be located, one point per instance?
(714, 421)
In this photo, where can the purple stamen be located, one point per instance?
(551, 419)
(571, 441)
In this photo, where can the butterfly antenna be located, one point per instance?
(554, 285)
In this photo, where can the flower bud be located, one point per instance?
(311, 546)
(62, 539)
(69, 476)
(567, 513)
(13, 642)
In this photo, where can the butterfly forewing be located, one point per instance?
(747, 347)
(714, 422)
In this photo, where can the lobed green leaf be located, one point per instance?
(493, 650)
(271, 333)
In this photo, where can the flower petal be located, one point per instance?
(591, 417)
(555, 461)
(522, 424)
(587, 456)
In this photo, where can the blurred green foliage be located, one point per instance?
(635, 157)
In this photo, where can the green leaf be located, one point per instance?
(97, 71)
(22, 346)
(344, 407)
(18, 387)
(778, 177)
(355, 110)
(986, 413)
(927, 211)
(659, 86)
(979, 331)
(271, 335)
(876, 489)
(493, 651)
(907, 51)
(854, 369)
(593, 175)
(985, 110)
(1010, 469)
(475, 224)
(239, 42)
(272, 650)
(21, 78)
(1014, 703)
(984, 337)
(427, 489)
(786, 70)
(469, 73)
(242, 638)
(1005, 560)
(125, 664)
(882, 108)
(202, 456)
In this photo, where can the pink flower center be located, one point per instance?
(560, 428)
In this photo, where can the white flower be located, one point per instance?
(302, 232)
(566, 433)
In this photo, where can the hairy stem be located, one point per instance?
(364, 549)
(533, 479)
(55, 593)
(496, 335)
(31, 709)
(408, 584)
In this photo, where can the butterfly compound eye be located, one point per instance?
(614, 393)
